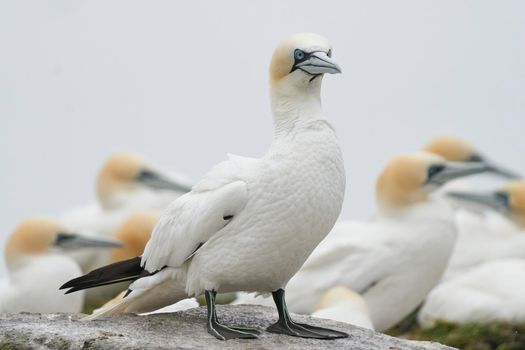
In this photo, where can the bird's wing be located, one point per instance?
(196, 216)
(355, 255)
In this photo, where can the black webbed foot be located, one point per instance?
(223, 332)
(285, 325)
(305, 331)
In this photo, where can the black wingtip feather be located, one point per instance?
(127, 270)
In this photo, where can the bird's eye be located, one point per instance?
(329, 53)
(435, 169)
(475, 158)
(299, 54)
(503, 197)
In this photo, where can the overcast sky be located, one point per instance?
(185, 84)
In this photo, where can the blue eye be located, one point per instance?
(299, 54)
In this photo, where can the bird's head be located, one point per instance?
(409, 178)
(455, 149)
(299, 63)
(39, 236)
(125, 173)
(134, 233)
(509, 200)
(338, 295)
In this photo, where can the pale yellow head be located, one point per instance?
(299, 62)
(134, 233)
(515, 191)
(34, 236)
(118, 174)
(452, 148)
(409, 178)
(404, 179)
(337, 295)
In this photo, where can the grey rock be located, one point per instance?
(181, 330)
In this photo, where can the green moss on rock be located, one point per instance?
(474, 336)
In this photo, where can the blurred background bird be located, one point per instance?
(36, 261)
(125, 185)
(491, 286)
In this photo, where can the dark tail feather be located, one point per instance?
(127, 270)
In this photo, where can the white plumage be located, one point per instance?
(344, 305)
(482, 238)
(34, 287)
(492, 291)
(395, 260)
(37, 266)
(126, 185)
(250, 224)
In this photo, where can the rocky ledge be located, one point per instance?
(181, 330)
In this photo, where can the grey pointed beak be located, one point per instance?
(156, 181)
(502, 172)
(72, 241)
(493, 168)
(319, 63)
(498, 201)
(455, 170)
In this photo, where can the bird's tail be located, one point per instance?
(127, 270)
(118, 305)
(148, 293)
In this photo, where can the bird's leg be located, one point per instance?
(285, 325)
(218, 330)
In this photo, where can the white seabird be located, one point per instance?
(344, 305)
(249, 224)
(395, 260)
(126, 184)
(482, 234)
(492, 289)
(36, 263)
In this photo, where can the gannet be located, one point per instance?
(498, 236)
(477, 227)
(36, 264)
(490, 287)
(455, 149)
(394, 261)
(126, 184)
(249, 224)
(492, 291)
(344, 305)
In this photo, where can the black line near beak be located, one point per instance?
(315, 63)
(72, 241)
(455, 170)
(156, 181)
(498, 201)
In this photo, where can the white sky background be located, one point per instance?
(183, 84)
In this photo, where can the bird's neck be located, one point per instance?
(431, 209)
(292, 108)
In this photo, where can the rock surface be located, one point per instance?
(181, 330)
